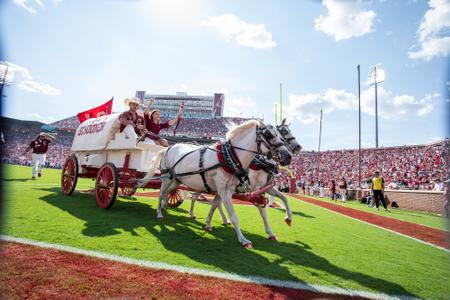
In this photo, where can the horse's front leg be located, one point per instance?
(276, 193)
(263, 213)
(226, 199)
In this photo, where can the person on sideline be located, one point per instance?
(377, 187)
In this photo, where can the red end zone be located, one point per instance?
(38, 273)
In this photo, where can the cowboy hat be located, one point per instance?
(153, 111)
(127, 101)
(47, 135)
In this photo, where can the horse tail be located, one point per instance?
(155, 164)
(156, 161)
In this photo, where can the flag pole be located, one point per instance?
(281, 102)
(320, 141)
(359, 127)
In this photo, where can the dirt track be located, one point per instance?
(29, 272)
(431, 235)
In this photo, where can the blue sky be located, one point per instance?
(69, 56)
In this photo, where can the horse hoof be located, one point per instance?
(193, 217)
(273, 238)
(208, 229)
(159, 218)
(226, 223)
(288, 221)
(248, 246)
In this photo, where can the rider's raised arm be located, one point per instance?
(149, 105)
(174, 121)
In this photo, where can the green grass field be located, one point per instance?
(418, 217)
(322, 247)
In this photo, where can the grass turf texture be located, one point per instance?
(321, 248)
(413, 216)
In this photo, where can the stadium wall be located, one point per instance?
(418, 200)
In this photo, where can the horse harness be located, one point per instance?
(228, 159)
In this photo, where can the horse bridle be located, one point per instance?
(263, 136)
(286, 135)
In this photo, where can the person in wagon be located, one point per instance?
(131, 123)
(154, 124)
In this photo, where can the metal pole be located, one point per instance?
(276, 114)
(376, 110)
(281, 102)
(359, 127)
(320, 140)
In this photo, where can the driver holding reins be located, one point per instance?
(154, 125)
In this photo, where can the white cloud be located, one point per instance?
(245, 34)
(234, 106)
(40, 118)
(36, 87)
(26, 4)
(14, 69)
(39, 2)
(345, 19)
(26, 81)
(433, 32)
(306, 108)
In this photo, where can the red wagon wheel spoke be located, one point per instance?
(174, 199)
(69, 175)
(107, 183)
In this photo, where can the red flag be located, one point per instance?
(104, 109)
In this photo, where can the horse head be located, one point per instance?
(274, 147)
(287, 137)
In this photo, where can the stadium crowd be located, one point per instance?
(190, 127)
(406, 167)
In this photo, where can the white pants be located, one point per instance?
(271, 200)
(129, 132)
(343, 193)
(37, 162)
(149, 141)
(321, 192)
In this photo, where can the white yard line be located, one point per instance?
(380, 227)
(202, 272)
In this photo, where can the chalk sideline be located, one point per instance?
(195, 271)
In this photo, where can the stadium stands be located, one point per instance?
(406, 167)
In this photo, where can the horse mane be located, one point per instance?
(234, 131)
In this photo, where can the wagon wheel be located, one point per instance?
(174, 199)
(106, 185)
(127, 190)
(69, 175)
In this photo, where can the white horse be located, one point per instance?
(219, 169)
(260, 174)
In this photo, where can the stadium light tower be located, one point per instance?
(6, 76)
(376, 76)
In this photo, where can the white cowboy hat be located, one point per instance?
(47, 135)
(127, 101)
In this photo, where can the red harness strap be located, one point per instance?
(221, 159)
(254, 167)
